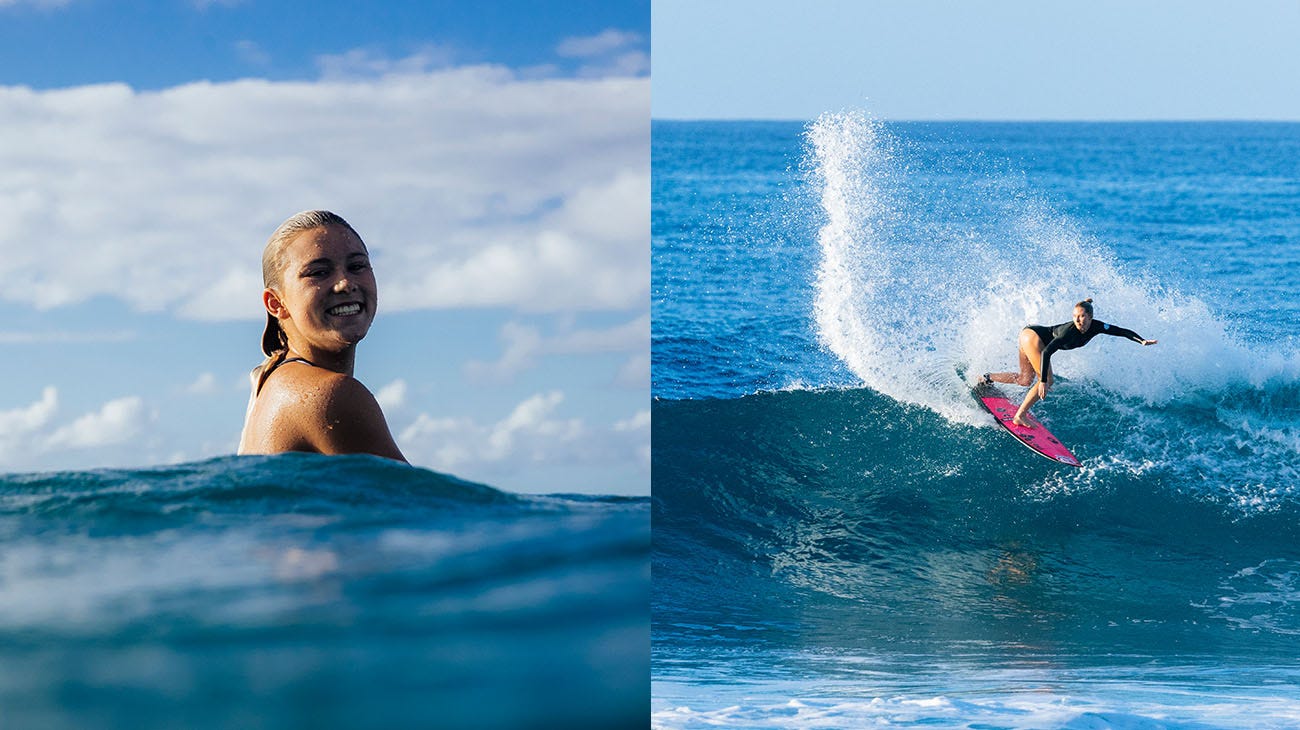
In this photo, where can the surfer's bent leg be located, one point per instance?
(1031, 361)
(1031, 357)
(1031, 368)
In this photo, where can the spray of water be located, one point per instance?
(924, 275)
(928, 274)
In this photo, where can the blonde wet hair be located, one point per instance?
(275, 345)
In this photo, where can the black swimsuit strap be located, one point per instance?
(262, 379)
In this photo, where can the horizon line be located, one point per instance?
(1000, 120)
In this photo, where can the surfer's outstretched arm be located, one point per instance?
(1037, 344)
(1127, 334)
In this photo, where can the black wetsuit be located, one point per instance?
(1067, 337)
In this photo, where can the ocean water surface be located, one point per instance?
(303, 591)
(842, 538)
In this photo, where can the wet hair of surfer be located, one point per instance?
(1038, 343)
(320, 296)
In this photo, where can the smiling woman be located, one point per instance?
(320, 299)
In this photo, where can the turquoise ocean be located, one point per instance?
(305, 591)
(842, 538)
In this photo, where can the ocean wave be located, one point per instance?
(305, 480)
(326, 591)
(853, 496)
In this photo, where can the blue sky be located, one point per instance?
(1012, 59)
(494, 155)
(153, 45)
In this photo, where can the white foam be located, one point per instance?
(1031, 708)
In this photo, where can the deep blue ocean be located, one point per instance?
(842, 538)
(304, 591)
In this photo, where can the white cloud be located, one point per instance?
(392, 396)
(591, 254)
(525, 344)
(242, 384)
(43, 4)
(530, 429)
(638, 422)
(118, 421)
(609, 53)
(527, 434)
(20, 428)
(30, 431)
(638, 426)
(363, 63)
(473, 186)
(603, 43)
(205, 384)
(31, 418)
(625, 64)
(251, 52)
(633, 336)
(530, 435)
(62, 337)
(635, 373)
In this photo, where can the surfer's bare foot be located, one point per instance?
(1022, 422)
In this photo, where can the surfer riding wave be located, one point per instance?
(1037, 343)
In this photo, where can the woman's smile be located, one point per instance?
(330, 296)
(350, 309)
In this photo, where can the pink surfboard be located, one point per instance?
(1037, 438)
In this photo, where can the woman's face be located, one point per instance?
(327, 294)
(1082, 320)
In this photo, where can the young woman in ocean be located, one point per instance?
(320, 300)
(1037, 343)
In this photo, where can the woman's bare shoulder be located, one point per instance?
(320, 410)
(308, 386)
